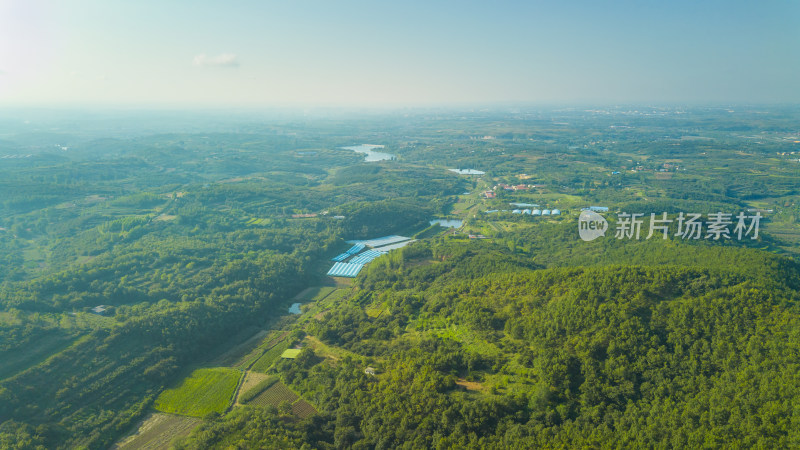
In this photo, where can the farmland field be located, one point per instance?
(274, 396)
(277, 394)
(274, 338)
(251, 379)
(205, 391)
(271, 355)
(158, 431)
(303, 409)
(246, 361)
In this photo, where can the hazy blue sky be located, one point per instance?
(299, 52)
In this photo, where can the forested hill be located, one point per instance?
(152, 284)
(478, 347)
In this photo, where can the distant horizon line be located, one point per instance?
(131, 107)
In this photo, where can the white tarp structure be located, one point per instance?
(381, 241)
(348, 270)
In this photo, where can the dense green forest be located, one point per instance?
(139, 261)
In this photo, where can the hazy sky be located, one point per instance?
(303, 52)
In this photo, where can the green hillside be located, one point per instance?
(506, 355)
(144, 270)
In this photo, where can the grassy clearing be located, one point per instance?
(205, 391)
(326, 351)
(324, 293)
(464, 204)
(468, 339)
(335, 295)
(158, 431)
(343, 282)
(470, 385)
(374, 310)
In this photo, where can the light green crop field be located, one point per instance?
(205, 391)
(269, 357)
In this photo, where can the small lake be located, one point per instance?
(449, 223)
(372, 155)
(295, 309)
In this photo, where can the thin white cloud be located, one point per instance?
(222, 60)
